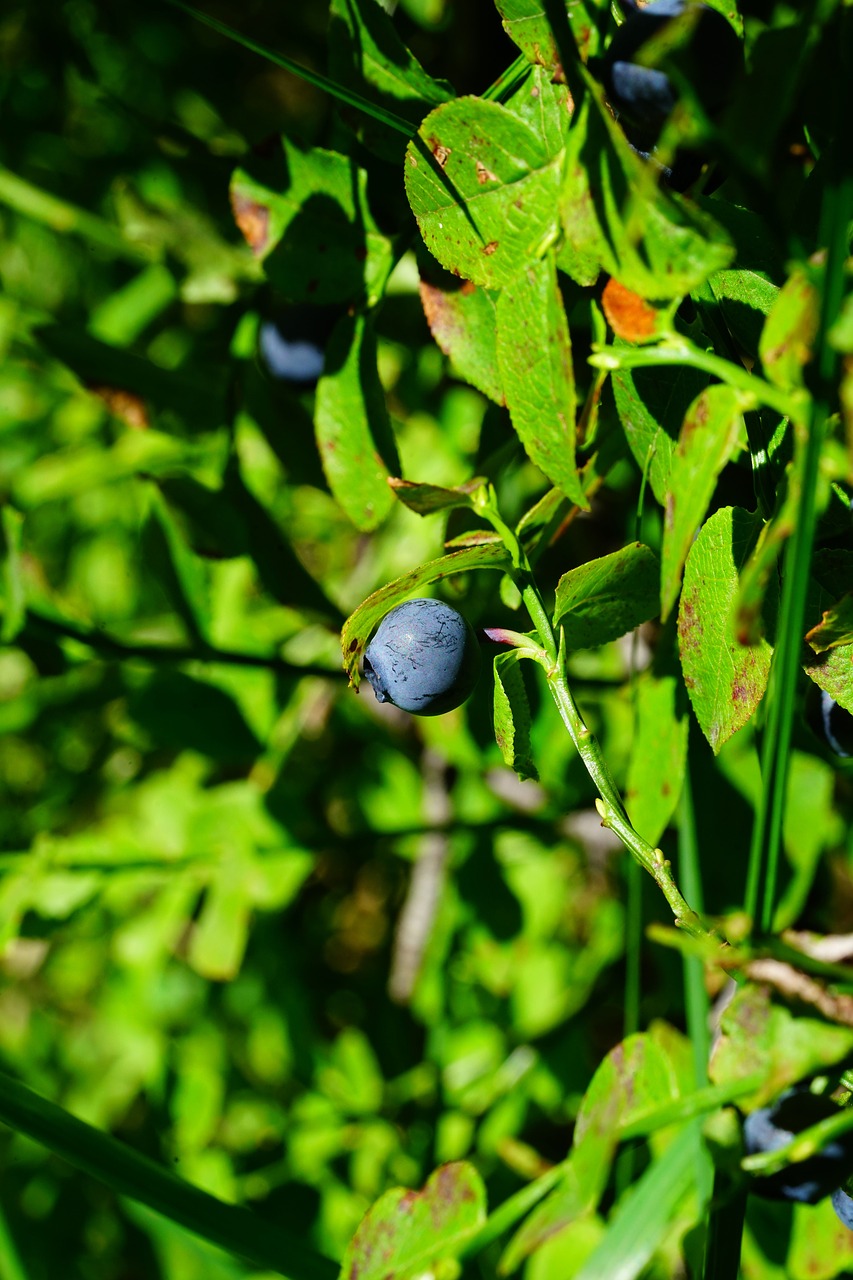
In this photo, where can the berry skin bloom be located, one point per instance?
(424, 658)
(775, 1126)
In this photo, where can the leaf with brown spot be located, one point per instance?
(406, 1233)
(253, 221)
(462, 319)
(725, 679)
(629, 316)
(835, 627)
(608, 597)
(788, 336)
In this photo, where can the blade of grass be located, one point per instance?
(315, 78)
(233, 1228)
(725, 1232)
(11, 1267)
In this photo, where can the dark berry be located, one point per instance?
(424, 658)
(775, 1126)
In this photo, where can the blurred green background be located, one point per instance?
(207, 841)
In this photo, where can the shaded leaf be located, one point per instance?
(407, 1232)
(535, 363)
(367, 55)
(184, 714)
(652, 404)
(712, 428)
(761, 1037)
(427, 498)
(462, 319)
(306, 215)
(615, 218)
(512, 715)
(359, 626)
(180, 573)
(833, 671)
(605, 598)
(353, 428)
(483, 189)
(725, 679)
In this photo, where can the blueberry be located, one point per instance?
(644, 95)
(773, 1127)
(293, 343)
(843, 1206)
(424, 658)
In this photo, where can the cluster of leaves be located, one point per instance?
(308, 951)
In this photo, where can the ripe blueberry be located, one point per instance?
(831, 723)
(843, 1206)
(773, 1127)
(644, 95)
(424, 658)
(293, 343)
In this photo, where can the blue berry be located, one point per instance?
(775, 1126)
(843, 1206)
(643, 95)
(424, 658)
(293, 344)
(836, 725)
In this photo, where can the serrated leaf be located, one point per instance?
(526, 24)
(407, 1232)
(544, 105)
(761, 1037)
(483, 189)
(535, 364)
(725, 679)
(462, 319)
(366, 54)
(605, 598)
(615, 218)
(835, 627)
(658, 754)
(788, 336)
(512, 716)
(652, 404)
(712, 428)
(353, 427)
(305, 214)
(428, 498)
(359, 626)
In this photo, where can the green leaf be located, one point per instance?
(725, 679)
(359, 626)
(14, 591)
(353, 427)
(367, 55)
(306, 215)
(426, 499)
(711, 431)
(483, 189)
(525, 23)
(835, 627)
(180, 713)
(512, 715)
(652, 404)
(605, 598)
(181, 574)
(406, 1233)
(462, 319)
(759, 1036)
(833, 671)
(658, 754)
(788, 336)
(615, 218)
(544, 105)
(535, 364)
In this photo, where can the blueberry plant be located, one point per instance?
(506, 349)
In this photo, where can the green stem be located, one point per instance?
(126, 1172)
(513, 1210)
(677, 350)
(552, 658)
